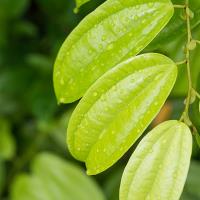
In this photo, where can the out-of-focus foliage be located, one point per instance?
(191, 190)
(54, 178)
(2, 174)
(31, 32)
(7, 142)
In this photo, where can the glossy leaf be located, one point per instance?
(159, 166)
(115, 31)
(117, 108)
(54, 178)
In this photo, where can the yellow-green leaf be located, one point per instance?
(158, 168)
(117, 108)
(115, 31)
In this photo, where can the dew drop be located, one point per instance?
(164, 141)
(156, 103)
(110, 47)
(151, 150)
(136, 17)
(93, 68)
(143, 21)
(90, 52)
(148, 197)
(100, 46)
(62, 100)
(103, 38)
(130, 34)
(58, 73)
(150, 4)
(95, 94)
(62, 81)
(175, 176)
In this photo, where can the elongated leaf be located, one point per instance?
(54, 178)
(117, 108)
(159, 166)
(115, 31)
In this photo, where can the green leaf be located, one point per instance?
(53, 178)
(7, 142)
(159, 166)
(115, 31)
(115, 111)
(79, 3)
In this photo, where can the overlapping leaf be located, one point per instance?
(115, 31)
(117, 108)
(54, 178)
(158, 168)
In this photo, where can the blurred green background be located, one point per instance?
(34, 161)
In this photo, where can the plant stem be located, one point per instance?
(196, 93)
(179, 6)
(197, 41)
(187, 54)
(181, 62)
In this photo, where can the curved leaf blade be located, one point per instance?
(115, 31)
(159, 166)
(115, 111)
(53, 178)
